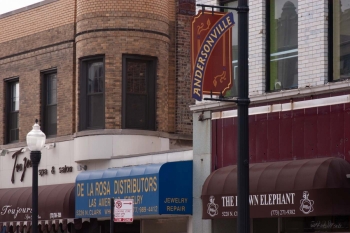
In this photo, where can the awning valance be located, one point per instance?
(54, 202)
(164, 188)
(282, 187)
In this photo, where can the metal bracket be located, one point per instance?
(221, 7)
(221, 98)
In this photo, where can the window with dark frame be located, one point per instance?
(339, 41)
(281, 44)
(13, 111)
(139, 78)
(92, 112)
(50, 104)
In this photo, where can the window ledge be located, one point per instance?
(131, 132)
(48, 140)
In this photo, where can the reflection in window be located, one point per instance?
(95, 111)
(139, 76)
(341, 39)
(92, 107)
(50, 108)
(283, 33)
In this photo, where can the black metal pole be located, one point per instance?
(243, 221)
(111, 227)
(35, 157)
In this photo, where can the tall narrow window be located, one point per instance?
(339, 39)
(139, 92)
(282, 44)
(50, 104)
(92, 113)
(13, 110)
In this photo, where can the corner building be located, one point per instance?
(109, 82)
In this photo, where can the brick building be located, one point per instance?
(109, 82)
(299, 150)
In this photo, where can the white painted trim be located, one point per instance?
(274, 96)
(286, 107)
(285, 52)
(282, 58)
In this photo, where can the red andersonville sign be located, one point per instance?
(211, 53)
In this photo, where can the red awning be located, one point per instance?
(56, 202)
(282, 186)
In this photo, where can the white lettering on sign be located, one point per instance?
(325, 225)
(6, 209)
(261, 199)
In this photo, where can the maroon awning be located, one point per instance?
(285, 188)
(55, 202)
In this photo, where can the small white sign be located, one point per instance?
(123, 210)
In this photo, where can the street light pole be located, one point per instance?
(35, 157)
(35, 141)
(243, 101)
(243, 219)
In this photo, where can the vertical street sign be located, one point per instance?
(211, 53)
(123, 210)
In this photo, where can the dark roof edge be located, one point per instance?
(26, 8)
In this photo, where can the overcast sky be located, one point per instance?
(10, 5)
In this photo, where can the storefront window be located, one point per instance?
(341, 39)
(263, 225)
(224, 225)
(315, 224)
(282, 30)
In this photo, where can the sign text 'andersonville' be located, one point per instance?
(211, 53)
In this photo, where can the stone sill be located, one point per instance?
(87, 133)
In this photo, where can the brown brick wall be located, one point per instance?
(111, 7)
(123, 28)
(37, 40)
(183, 74)
(113, 44)
(27, 67)
(37, 20)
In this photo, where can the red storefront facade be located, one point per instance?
(278, 135)
(299, 166)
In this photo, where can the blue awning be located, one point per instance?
(155, 188)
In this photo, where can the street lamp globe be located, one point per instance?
(36, 138)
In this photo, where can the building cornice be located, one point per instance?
(275, 96)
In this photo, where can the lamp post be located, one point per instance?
(35, 141)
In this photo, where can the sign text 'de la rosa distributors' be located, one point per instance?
(123, 210)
